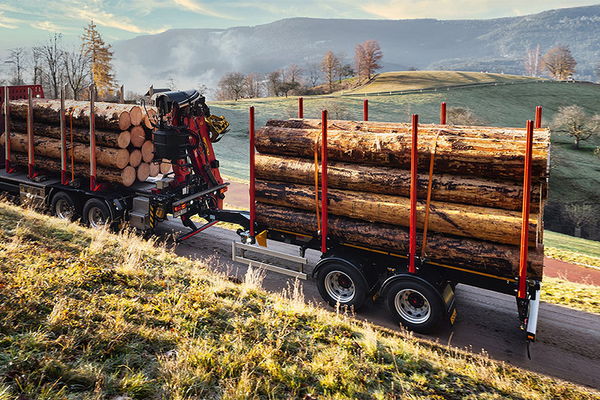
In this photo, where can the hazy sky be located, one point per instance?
(26, 22)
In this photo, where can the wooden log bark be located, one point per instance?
(135, 158)
(108, 115)
(136, 115)
(385, 180)
(82, 135)
(454, 154)
(499, 226)
(148, 151)
(123, 177)
(138, 136)
(143, 172)
(476, 255)
(49, 147)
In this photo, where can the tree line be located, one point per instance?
(327, 76)
(53, 66)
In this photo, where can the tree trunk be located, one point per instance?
(476, 255)
(135, 158)
(125, 177)
(136, 115)
(385, 180)
(81, 135)
(49, 147)
(148, 151)
(454, 154)
(499, 226)
(108, 115)
(138, 136)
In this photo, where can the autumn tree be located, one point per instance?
(100, 59)
(51, 59)
(559, 62)
(231, 86)
(575, 122)
(329, 66)
(76, 66)
(533, 62)
(16, 58)
(367, 56)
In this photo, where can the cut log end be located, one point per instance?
(124, 121)
(135, 158)
(148, 151)
(124, 139)
(143, 172)
(165, 167)
(128, 176)
(136, 115)
(150, 119)
(122, 158)
(154, 169)
(138, 136)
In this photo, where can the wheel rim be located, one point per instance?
(64, 210)
(339, 286)
(96, 218)
(412, 306)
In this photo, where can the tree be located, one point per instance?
(17, 57)
(100, 59)
(76, 66)
(330, 65)
(294, 74)
(533, 62)
(274, 80)
(253, 85)
(171, 84)
(51, 59)
(462, 116)
(580, 215)
(575, 122)
(345, 71)
(232, 86)
(314, 74)
(366, 58)
(559, 62)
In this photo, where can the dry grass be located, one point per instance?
(569, 294)
(92, 315)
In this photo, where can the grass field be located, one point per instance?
(569, 294)
(572, 249)
(92, 315)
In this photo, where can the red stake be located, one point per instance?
(324, 214)
(412, 244)
(365, 110)
(300, 107)
(443, 113)
(7, 166)
(538, 117)
(93, 186)
(252, 176)
(63, 140)
(30, 152)
(525, 223)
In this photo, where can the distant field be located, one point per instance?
(572, 249)
(410, 80)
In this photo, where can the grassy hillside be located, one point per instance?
(572, 249)
(90, 315)
(411, 80)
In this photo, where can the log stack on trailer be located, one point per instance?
(123, 135)
(470, 189)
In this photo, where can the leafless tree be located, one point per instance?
(294, 73)
(232, 86)
(345, 71)
(462, 116)
(51, 59)
(314, 74)
(575, 122)
(533, 62)
(367, 56)
(580, 215)
(17, 59)
(253, 85)
(330, 65)
(76, 67)
(274, 80)
(559, 62)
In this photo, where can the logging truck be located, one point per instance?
(368, 197)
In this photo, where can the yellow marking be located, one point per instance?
(261, 238)
(472, 272)
(453, 316)
(206, 146)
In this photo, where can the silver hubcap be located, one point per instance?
(339, 287)
(95, 217)
(64, 210)
(412, 306)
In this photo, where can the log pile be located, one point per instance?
(124, 148)
(475, 192)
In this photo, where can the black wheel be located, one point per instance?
(415, 305)
(62, 206)
(96, 214)
(342, 284)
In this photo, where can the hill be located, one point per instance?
(194, 56)
(89, 314)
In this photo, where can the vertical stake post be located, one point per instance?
(63, 140)
(365, 110)
(412, 239)
(538, 117)
(300, 107)
(324, 183)
(6, 107)
(443, 113)
(122, 94)
(30, 151)
(522, 292)
(93, 186)
(252, 172)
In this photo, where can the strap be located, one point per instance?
(317, 184)
(429, 187)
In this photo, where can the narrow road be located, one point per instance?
(568, 345)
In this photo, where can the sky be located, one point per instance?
(28, 22)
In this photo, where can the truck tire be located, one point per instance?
(415, 305)
(96, 214)
(339, 283)
(63, 206)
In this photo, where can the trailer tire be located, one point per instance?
(63, 206)
(415, 305)
(96, 214)
(343, 285)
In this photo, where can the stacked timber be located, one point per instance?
(124, 148)
(475, 191)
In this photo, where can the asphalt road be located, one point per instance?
(567, 347)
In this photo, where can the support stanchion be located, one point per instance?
(443, 113)
(324, 183)
(538, 117)
(252, 186)
(63, 140)
(93, 185)
(522, 292)
(412, 243)
(300, 107)
(6, 107)
(365, 110)
(30, 149)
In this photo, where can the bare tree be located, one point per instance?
(559, 62)
(232, 86)
(17, 58)
(533, 62)
(274, 80)
(253, 85)
(575, 122)
(171, 84)
(366, 57)
(345, 71)
(76, 67)
(580, 215)
(294, 73)
(51, 59)
(462, 116)
(314, 74)
(330, 65)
